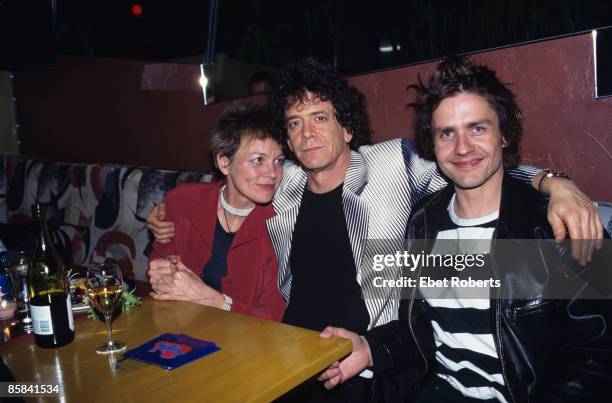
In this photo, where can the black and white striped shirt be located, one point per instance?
(465, 351)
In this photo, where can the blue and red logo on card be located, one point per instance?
(171, 350)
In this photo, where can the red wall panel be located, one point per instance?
(125, 112)
(128, 112)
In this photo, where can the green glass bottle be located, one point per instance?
(50, 303)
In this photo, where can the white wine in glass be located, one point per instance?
(104, 284)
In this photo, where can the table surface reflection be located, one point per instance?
(259, 360)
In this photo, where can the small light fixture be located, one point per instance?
(204, 83)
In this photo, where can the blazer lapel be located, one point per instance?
(286, 205)
(355, 208)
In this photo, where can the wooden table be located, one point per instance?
(259, 360)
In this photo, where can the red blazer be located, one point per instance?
(252, 270)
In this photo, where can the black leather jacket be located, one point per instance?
(555, 350)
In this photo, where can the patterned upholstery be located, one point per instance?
(95, 210)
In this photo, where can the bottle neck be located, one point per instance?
(46, 271)
(43, 237)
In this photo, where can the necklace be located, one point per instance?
(229, 229)
(233, 210)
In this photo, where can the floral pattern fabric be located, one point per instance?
(96, 211)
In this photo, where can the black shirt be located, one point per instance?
(324, 289)
(216, 267)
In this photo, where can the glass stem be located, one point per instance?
(107, 319)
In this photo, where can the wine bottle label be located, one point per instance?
(70, 316)
(41, 319)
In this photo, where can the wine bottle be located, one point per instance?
(50, 303)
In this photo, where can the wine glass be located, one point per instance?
(104, 284)
(17, 272)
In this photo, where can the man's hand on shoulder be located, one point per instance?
(162, 230)
(571, 211)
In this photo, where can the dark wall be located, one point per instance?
(106, 110)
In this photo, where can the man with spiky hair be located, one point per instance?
(503, 340)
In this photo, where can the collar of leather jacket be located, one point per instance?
(522, 211)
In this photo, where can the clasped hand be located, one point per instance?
(171, 280)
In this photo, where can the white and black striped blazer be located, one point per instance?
(382, 184)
